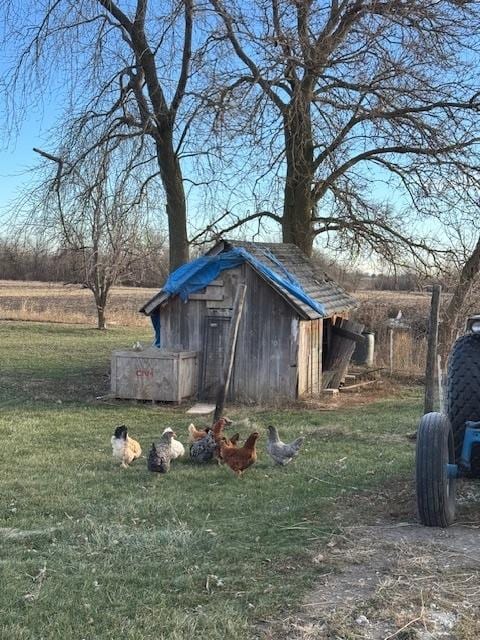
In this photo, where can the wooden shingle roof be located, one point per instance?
(282, 258)
(316, 284)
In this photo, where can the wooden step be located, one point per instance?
(201, 409)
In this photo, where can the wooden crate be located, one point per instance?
(154, 374)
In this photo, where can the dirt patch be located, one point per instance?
(392, 578)
(389, 388)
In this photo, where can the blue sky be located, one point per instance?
(17, 156)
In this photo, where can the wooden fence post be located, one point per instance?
(390, 349)
(440, 380)
(431, 364)
(230, 351)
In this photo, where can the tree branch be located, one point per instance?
(257, 76)
(186, 57)
(240, 221)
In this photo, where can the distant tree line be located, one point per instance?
(37, 262)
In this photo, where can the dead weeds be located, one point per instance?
(385, 577)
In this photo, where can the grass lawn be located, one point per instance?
(89, 550)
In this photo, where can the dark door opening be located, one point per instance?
(214, 344)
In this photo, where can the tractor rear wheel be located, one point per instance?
(463, 392)
(434, 484)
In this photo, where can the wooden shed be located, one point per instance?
(283, 343)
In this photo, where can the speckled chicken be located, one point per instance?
(280, 452)
(207, 448)
(160, 454)
(204, 449)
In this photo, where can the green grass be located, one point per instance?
(197, 553)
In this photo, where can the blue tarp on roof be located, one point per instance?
(199, 273)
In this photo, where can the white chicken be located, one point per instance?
(176, 447)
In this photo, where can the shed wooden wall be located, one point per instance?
(310, 358)
(182, 324)
(266, 357)
(265, 367)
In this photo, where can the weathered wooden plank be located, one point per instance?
(431, 362)
(113, 375)
(293, 368)
(314, 346)
(303, 359)
(327, 375)
(330, 392)
(181, 325)
(201, 409)
(187, 378)
(231, 280)
(320, 355)
(358, 385)
(211, 293)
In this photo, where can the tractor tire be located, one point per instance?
(463, 392)
(435, 489)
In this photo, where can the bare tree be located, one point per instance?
(352, 104)
(96, 212)
(124, 71)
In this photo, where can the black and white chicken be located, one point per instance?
(204, 449)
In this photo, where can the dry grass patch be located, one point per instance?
(56, 302)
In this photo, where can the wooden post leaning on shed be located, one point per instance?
(431, 365)
(345, 334)
(230, 351)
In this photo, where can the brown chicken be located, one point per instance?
(219, 437)
(196, 434)
(240, 458)
(218, 428)
(233, 442)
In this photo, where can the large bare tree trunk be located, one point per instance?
(297, 212)
(297, 207)
(168, 162)
(176, 205)
(468, 274)
(336, 65)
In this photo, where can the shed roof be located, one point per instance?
(316, 284)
